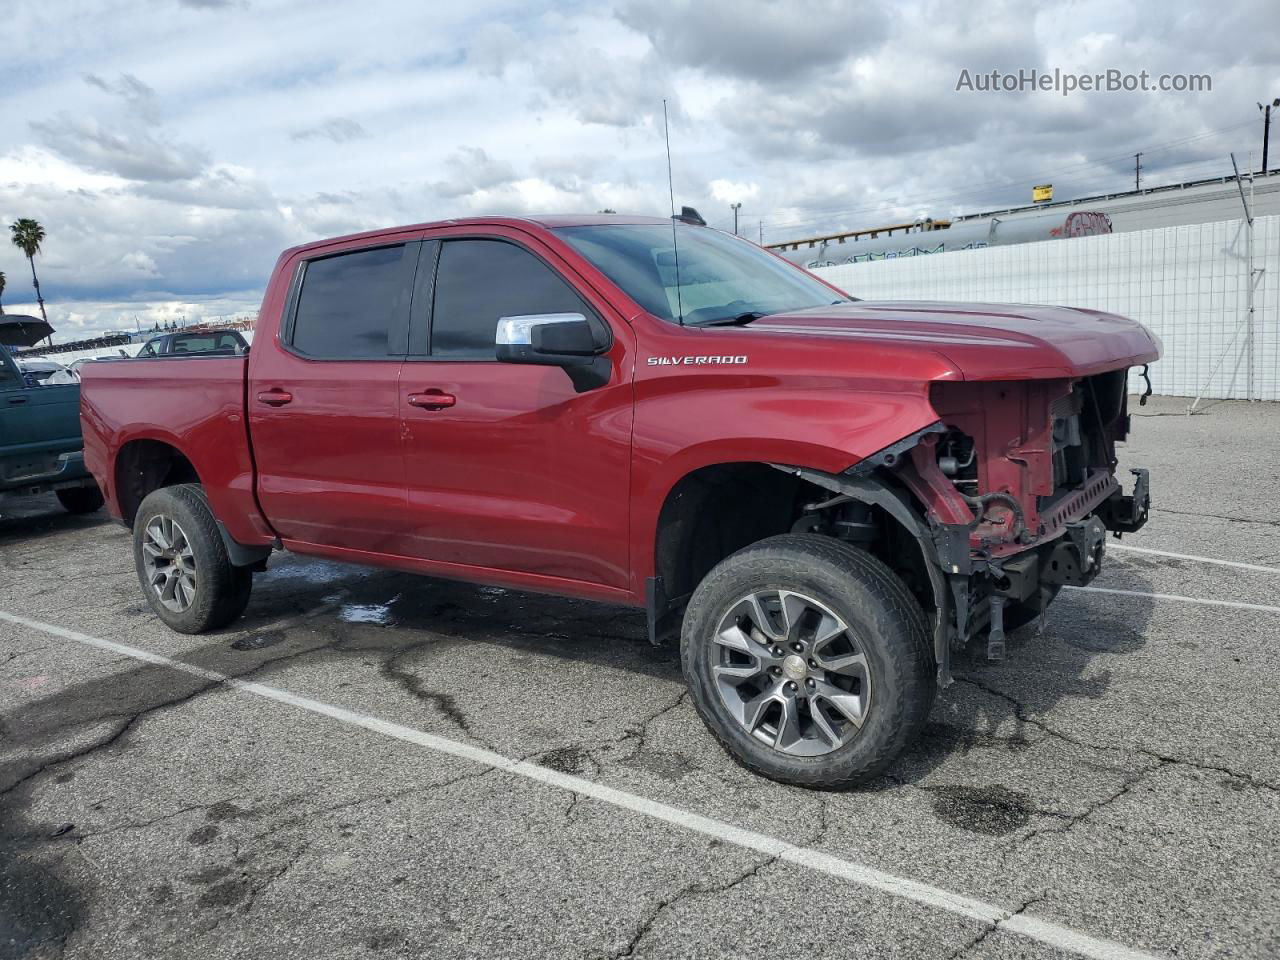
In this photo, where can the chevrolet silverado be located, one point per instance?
(823, 497)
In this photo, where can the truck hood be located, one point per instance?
(984, 341)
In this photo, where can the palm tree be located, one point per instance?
(1, 292)
(27, 237)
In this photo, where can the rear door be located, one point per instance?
(323, 398)
(512, 469)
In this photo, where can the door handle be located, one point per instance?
(17, 399)
(432, 400)
(275, 397)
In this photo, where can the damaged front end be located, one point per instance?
(1010, 496)
(1018, 481)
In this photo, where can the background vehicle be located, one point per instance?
(824, 497)
(37, 371)
(196, 341)
(40, 446)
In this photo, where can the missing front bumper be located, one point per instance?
(1121, 514)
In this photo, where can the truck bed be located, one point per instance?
(195, 403)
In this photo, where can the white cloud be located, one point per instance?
(729, 191)
(172, 149)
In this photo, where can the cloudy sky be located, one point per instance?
(172, 148)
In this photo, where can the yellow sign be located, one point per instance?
(1042, 193)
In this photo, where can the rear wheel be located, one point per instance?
(80, 499)
(809, 660)
(182, 562)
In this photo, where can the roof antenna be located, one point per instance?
(675, 247)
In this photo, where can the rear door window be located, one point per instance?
(355, 305)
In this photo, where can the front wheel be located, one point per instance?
(182, 563)
(809, 660)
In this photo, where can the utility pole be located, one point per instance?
(1137, 171)
(1266, 128)
(762, 233)
(735, 207)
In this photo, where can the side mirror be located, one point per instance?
(564, 340)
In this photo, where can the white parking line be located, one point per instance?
(1192, 556)
(1202, 601)
(1045, 931)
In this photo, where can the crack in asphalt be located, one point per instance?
(303, 818)
(1020, 714)
(131, 719)
(80, 752)
(1071, 821)
(1216, 516)
(991, 928)
(444, 703)
(144, 824)
(640, 733)
(698, 889)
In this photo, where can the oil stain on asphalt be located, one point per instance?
(994, 811)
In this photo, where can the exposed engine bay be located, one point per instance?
(1017, 481)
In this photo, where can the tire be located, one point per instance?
(196, 587)
(80, 499)
(881, 666)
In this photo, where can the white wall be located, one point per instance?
(1187, 284)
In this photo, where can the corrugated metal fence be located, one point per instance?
(1188, 284)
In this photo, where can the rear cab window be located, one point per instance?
(354, 305)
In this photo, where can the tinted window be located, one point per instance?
(192, 344)
(8, 375)
(349, 303)
(204, 343)
(479, 281)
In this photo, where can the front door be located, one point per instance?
(323, 400)
(508, 468)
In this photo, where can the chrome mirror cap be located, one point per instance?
(518, 331)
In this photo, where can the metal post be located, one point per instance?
(1245, 326)
(735, 207)
(1137, 171)
(1266, 135)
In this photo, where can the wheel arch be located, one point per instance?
(145, 464)
(716, 509)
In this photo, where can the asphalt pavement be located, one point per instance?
(371, 764)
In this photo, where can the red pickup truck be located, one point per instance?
(825, 497)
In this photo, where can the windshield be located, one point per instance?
(722, 278)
